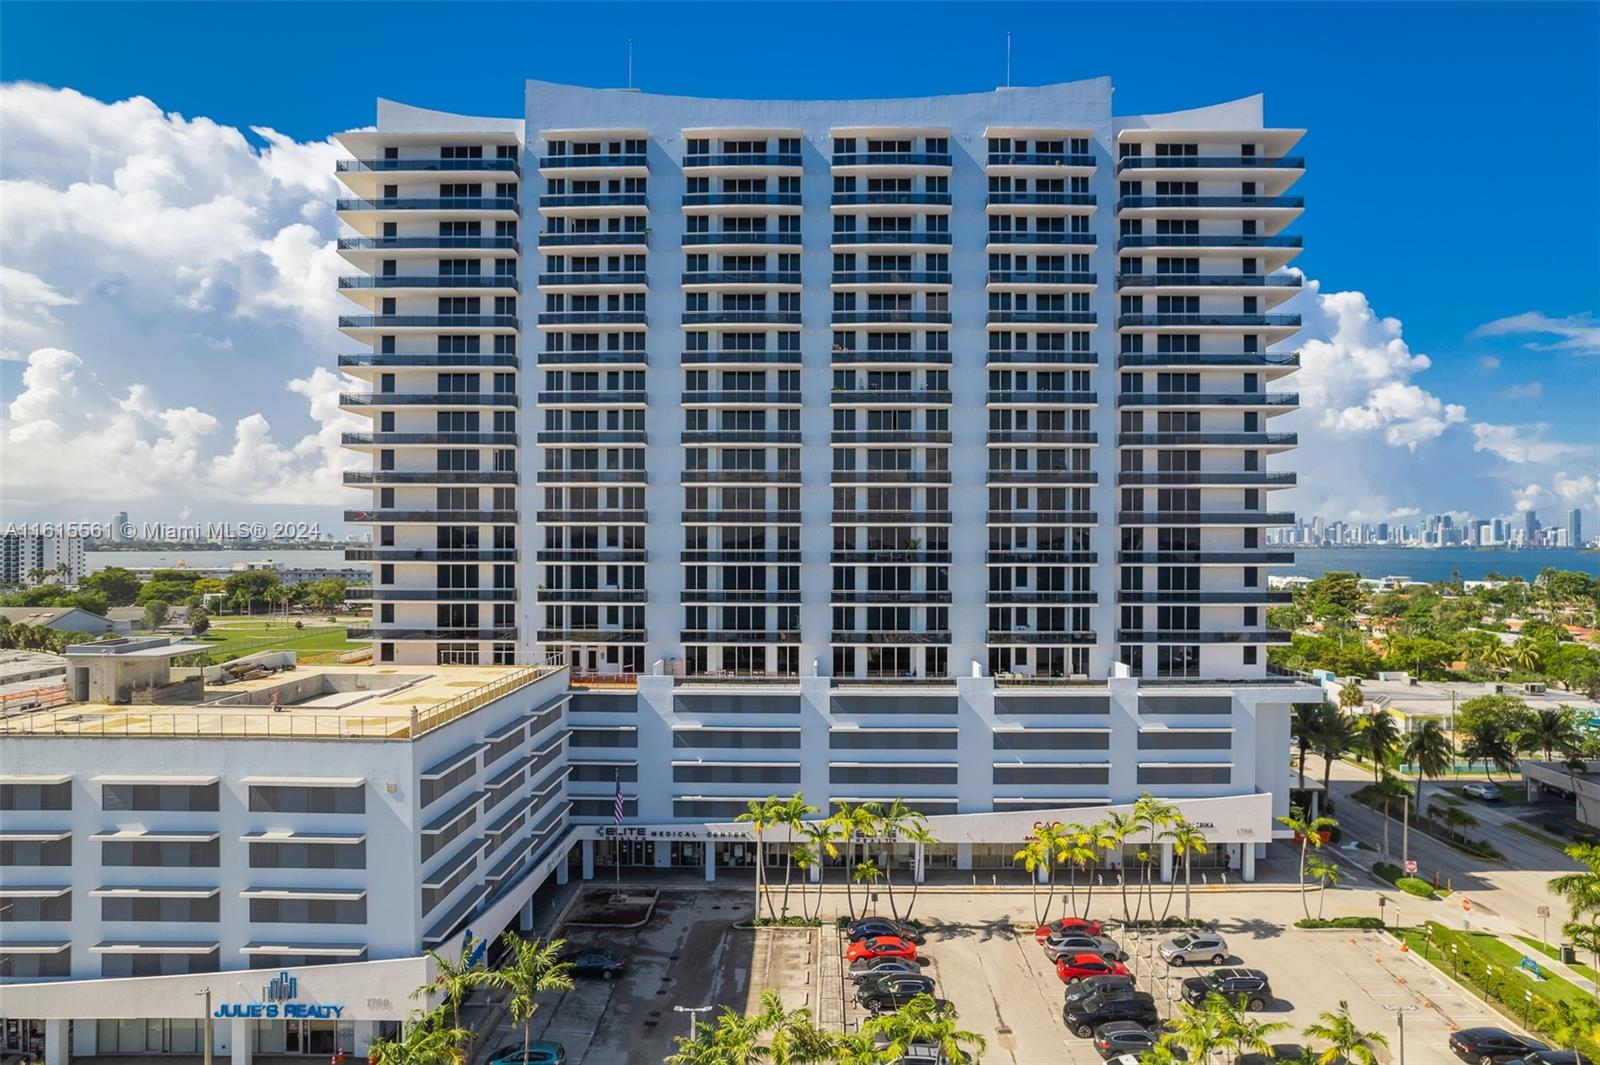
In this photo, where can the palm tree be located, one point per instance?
(1388, 789)
(1581, 889)
(806, 859)
(426, 1040)
(1328, 875)
(1378, 735)
(1187, 841)
(1075, 850)
(1152, 814)
(853, 1048)
(761, 814)
(453, 978)
(1455, 819)
(1497, 656)
(891, 825)
(1346, 1041)
(866, 873)
(790, 813)
(1310, 833)
(853, 823)
(1330, 733)
(1118, 827)
(1237, 1031)
(530, 968)
(1550, 731)
(1584, 935)
(917, 834)
(821, 837)
(796, 1039)
(1526, 654)
(1101, 838)
(1196, 1030)
(1302, 735)
(1034, 856)
(1351, 696)
(924, 1022)
(1430, 751)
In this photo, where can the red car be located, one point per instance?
(1066, 924)
(881, 947)
(1079, 966)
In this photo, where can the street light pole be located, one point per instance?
(1400, 1019)
(209, 1037)
(694, 1016)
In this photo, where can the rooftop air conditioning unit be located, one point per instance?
(1533, 688)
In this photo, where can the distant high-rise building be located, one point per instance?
(1498, 531)
(1383, 532)
(1530, 525)
(119, 522)
(1574, 527)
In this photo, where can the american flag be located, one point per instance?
(616, 803)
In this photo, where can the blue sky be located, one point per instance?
(1453, 173)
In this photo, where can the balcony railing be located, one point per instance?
(428, 399)
(1042, 317)
(740, 477)
(742, 397)
(1209, 281)
(428, 244)
(1039, 159)
(592, 436)
(1029, 596)
(1042, 477)
(449, 203)
(1209, 358)
(1208, 399)
(1043, 199)
(742, 199)
(896, 357)
(1207, 439)
(889, 396)
(762, 238)
(595, 199)
(1257, 478)
(429, 554)
(1043, 517)
(371, 477)
(888, 316)
(433, 281)
(607, 516)
(889, 556)
(597, 396)
(741, 595)
(740, 636)
(741, 517)
(872, 199)
(385, 633)
(430, 360)
(868, 597)
(1207, 636)
(1040, 277)
(1241, 596)
(890, 236)
(1041, 558)
(1078, 637)
(742, 277)
(592, 477)
(591, 554)
(433, 517)
(573, 162)
(1206, 240)
(1205, 558)
(1230, 321)
(1051, 397)
(1042, 436)
(1211, 162)
(890, 636)
(892, 517)
(591, 636)
(891, 437)
(891, 277)
(594, 358)
(739, 557)
(389, 166)
(594, 277)
(1205, 517)
(889, 477)
(638, 237)
(1011, 236)
(741, 318)
(740, 358)
(741, 436)
(891, 159)
(592, 318)
(428, 321)
(1133, 203)
(763, 159)
(1043, 358)
(590, 595)
(448, 439)
(442, 595)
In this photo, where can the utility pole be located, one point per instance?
(206, 991)
(1400, 1019)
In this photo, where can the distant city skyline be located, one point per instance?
(1523, 529)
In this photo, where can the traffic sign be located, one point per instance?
(1411, 867)
(1466, 904)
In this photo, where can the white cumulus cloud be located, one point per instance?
(1579, 333)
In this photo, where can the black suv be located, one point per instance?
(892, 992)
(1085, 1015)
(1249, 985)
(1491, 1046)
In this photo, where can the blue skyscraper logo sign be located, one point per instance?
(282, 988)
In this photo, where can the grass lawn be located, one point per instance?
(315, 642)
(1552, 952)
(1537, 836)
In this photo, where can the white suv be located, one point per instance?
(1195, 947)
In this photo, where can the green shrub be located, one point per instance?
(1413, 886)
(1372, 923)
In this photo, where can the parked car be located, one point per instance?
(1195, 947)
(1092, 984)
(1077, 943)
(1074, 967)
(878, 926)
(1122, 1037)
(1557, 1057)
(881, 947)
(892, 992)
(1084, 1015)
(1492, 1046)
(1280, 1052)
(601, 963)
(1486, 792)
(872, 968)
(540, 1052)
(1063, 925)
(1248, 985)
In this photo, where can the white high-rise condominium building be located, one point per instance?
(880, 448)
(29, 559)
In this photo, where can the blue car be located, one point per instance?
(540, 1052)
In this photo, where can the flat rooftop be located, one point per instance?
(1431, 696)
(313, 702)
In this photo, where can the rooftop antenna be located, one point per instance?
(1008, 59)
(630, 62)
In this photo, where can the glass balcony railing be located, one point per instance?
(1003, 317)
(761, 238)
(891, 277)
(767, 159)
(873, 199)
(1211, 162)
(888, 316)
(1047, 397)
(742, 277)
(1205, 517)
(741, 318)
(942, 159)
(1255, 478)
(592, 318)
(890, 236)
(447, 439)
(1131, 203)
(638, 237)
(1242, 321)
(428, 244)
(428, 399)
(396, 477)
(395, 166)
(1010, 236)
(477, 281)
(1209, 358)
(575, 162)
(1040, 277)
(1205, 240)
(594, 199)
(1040, 159)
(372, 358)
(742, 199)
(428, 321)
(450, 203)
(1044, 199)
(594, 277)
(1209, 280)
(1205, 558)
(1257, 440)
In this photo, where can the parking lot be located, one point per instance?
(997, 977)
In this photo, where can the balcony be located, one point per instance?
(1248, 204)
(890, 316)
(891, 277)
(1208, 636)
(434, 439)
(376, 477)
(1205, 240)
(889, 477)
(1205, 558)
(890, 238)
(636, 239)
(591, 477)
(1284, 400)
(839, 595)
(1208, 321)
(595, 199)
(890, 199)
(1046, 477)
(591, 554)
(1208, 281)
(591, 318)
(1036, 317)
(1033, 596)
(741, 436)
(397, 634)
(890, 636)
(887, 397)
(432, 595)
(742, 595)
(396, 244)
(461, 281)
(592, 436)
(895, 357)
(430, 360)
(428, 399)
(594, 358)
(1205, 517)
(1256, 478)
(1077, 638)
(742, 199)
(1039, 159)
(1287, 360)
(593, 277)
(932, 159)
(739, 636)
(432, 517)
(448, 205)
(890, 437)
(1042, 199)
(484, 322)
(1043, 358)
(892, 517)
(740, 358)
(741, 318)
(429, 554)
(1043, 517)
(760, 239)
(889, 556)
(733, 556)
(1254, 440)
(584, 397)
(576, 162)
(609, 516)
(741, 398)
(590, 595)
(740, 477)
(1040, 277)
(762, 278)
(1052, 397)
(1037, 238)
(741, 517)
(1042, 436)
(1040, 558)
(767, 160)
(1210, 162)
(426, 166)
(1237, 597)
(591, 636)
